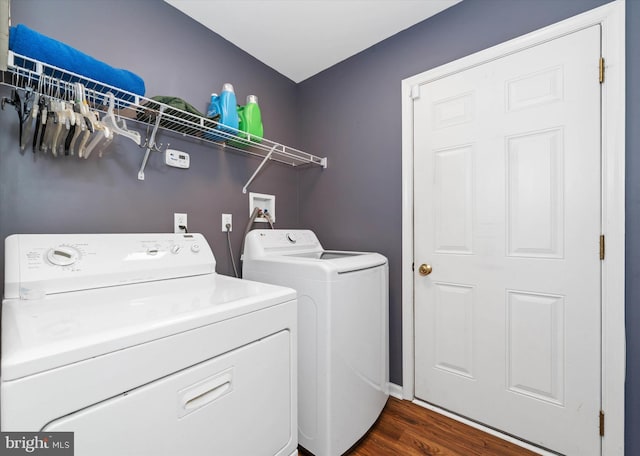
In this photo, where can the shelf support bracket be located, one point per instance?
(253, 176)
(151, 144)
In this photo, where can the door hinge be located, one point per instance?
(601, 72)
(413, 266)
(601, 423)
(415, 92)
(602, 246)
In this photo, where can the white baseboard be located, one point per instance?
(395, 390)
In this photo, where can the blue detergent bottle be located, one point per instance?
(224, 106)
(228, 110)
(214, 106)
(213, 113)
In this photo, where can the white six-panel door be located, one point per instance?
(507, 214)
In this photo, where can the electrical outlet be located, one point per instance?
(178, 221)
(226, 219)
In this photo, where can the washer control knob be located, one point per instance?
(292, 238)
(175, 248)
(195, 248)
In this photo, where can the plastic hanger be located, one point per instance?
(22, 101)
(89, 117)
(89, 120)
(80, 128)
(31, 119)
(102, 134)
(39, 124)
(80, 125)
(44, 117)
(56, 123)
(110, 121)
(50, 122)
(35, 117)
(65, 118)
(105, 144)
(71, 130)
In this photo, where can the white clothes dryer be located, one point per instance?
(343, 325)
(135, 344)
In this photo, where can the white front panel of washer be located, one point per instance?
(359, 324)
(236, 404)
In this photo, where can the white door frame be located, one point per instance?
(611, 17)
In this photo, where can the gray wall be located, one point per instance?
(632, 390)
(175, 56)
(352, 113)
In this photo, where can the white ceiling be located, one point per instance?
(300, 38)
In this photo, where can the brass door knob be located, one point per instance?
(425, 269)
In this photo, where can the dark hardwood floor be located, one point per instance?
(406, 429)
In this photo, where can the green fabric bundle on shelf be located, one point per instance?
(178, 116)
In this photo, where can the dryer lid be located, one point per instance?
(38, 335)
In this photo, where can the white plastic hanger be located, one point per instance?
(110, 121)
(81, 127)
(90, 118)
(27, 132)
(102, 134)
(55, 122)
(33, 115)
(64, 118)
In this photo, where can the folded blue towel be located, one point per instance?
(27, 42)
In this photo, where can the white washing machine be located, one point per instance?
(343, 355)
(135, 344)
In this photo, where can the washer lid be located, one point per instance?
(327, 255)
(69, 327)
(301, 254)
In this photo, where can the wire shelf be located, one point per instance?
(24, 72)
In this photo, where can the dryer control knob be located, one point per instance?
(63, 255)
(292, 238)
(195, 248)
(175, 248)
